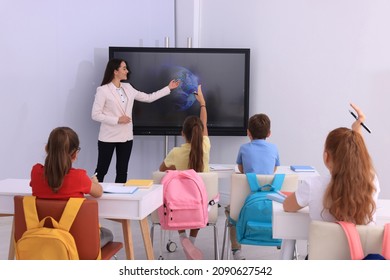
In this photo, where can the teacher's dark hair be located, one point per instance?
(112, 65)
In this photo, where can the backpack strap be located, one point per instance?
(70, 212)
(30, 212)
(278, 181)
(276, 184)
(353, 238)
(253, 183)
(386, 242)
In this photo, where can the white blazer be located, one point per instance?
(108, 107)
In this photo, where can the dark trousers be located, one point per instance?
(122, 152)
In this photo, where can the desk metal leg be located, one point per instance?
(287, 249)
(146, 237)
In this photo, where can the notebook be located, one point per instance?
(119, 189)
(221, 167)
(302, 168)
(278, 197)
(140, 183)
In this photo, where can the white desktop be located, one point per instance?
(226, 170)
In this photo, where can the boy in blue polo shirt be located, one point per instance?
(258, 156)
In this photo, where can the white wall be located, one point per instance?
(309, 59)
(53, 54)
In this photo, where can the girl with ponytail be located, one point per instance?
(350, 191)
(193, 154)
(57, 179)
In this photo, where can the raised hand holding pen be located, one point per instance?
(359, 119)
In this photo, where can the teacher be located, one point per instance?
(113, 107)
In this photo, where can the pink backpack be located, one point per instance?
(184, 201)
(355, 245)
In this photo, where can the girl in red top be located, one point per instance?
(58, 179)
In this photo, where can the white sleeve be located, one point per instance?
(303, 193)
(148, 98)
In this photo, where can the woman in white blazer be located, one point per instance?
(113, 107)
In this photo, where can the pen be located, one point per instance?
(366, 128)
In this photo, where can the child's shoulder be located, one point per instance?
(37, 166)
(77, 172)
(258, 142)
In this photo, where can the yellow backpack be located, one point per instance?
(42, 243)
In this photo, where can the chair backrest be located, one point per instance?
(210, 180)
(85, 228)
(327, 241)
(240, 189)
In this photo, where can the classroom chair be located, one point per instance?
(327, 241)
(239, 190)
(210, 180)
(85, 228)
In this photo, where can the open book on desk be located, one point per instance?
(119, 189)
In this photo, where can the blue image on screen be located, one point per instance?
(183, 96)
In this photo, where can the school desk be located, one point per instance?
(118, 207)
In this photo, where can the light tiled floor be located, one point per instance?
(205, 242)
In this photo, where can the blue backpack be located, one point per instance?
(254, 224)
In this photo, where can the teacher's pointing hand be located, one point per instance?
(173, 84)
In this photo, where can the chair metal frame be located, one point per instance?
(327, 241)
